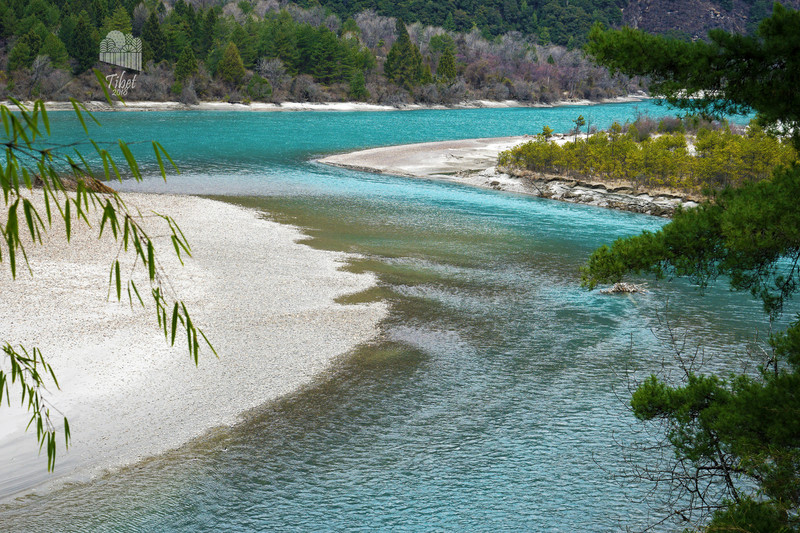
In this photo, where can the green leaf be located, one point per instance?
(151, 261)
(67, 219)
(45, 119)
(104, 86)
(119, 279)
(174, 323)
(77, 109)
(131, 160)
(166, 154)
(160, 162)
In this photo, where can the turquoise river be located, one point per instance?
(494, 397)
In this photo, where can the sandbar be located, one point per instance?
(265, 301)
(473, 162)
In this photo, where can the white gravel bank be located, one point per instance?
(265, 302)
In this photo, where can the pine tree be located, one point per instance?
(325, 58)
(55, 50)
(186, 65)
(20, 56)
(446, 71)
(404, 61)
(207, 32)
(152, 35)
(84, 49)
(119, 20)
(231, 68)
(358, 86)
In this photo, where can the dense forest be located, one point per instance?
(265, 50)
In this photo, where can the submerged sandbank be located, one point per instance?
(474, 162)
(265, 301)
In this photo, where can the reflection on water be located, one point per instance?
(489, 401)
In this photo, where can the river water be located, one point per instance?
(493, 398)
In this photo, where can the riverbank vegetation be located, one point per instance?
(684, 154)
(192, 50)
(730, 443)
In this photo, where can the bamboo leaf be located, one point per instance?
(136, 291)
(80, 115)
(67, 219)
(104, 86)
(119, 280)
(45, 119)
(166, 154)
(174, 323)
(160, 161)
(151, 261)
(132, 164)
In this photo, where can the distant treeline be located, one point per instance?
(268, 51)
(684, 154)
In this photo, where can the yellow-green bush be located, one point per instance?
(713, 159)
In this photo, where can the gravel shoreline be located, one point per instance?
(134, 105)
(265, 302)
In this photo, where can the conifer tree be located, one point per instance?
(231, 68)
(446, 71)
(186, 65)
(154, 37)
(358, 86)
(738, 435)
(404, 61)
(55, 50)
(84, 49)
(207, 32)
(119, 20)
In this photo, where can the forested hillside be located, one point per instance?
(332, 50)
(567, 22)
(558, 21)
(262, 51)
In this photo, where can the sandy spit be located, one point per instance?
(265, 301)
(473, 162)
(134, 105)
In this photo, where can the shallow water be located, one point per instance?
(494, 397)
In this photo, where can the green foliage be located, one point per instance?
(119, 20)
(358, 86)
(20, 56)
(231, 68)
(446, 71)
(31, 151)
(442, 42)
(579, 123)
(154, 37)
(259, 88)
(730, 74)
(720, 158)
(741, 433)
(736, 433)
(404, 62)
(553, 20)
(186, 65)
(83, 47)
(55, 50)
